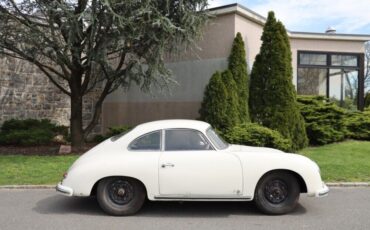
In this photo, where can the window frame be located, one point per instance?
(147, 150)
(204, 136)
(359, 67)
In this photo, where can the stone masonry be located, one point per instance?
(25, 92)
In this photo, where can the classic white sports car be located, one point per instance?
(185, 160)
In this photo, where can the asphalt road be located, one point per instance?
(344, 208)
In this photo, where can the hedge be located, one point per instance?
(255, 135)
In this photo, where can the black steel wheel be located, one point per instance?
(120, 196)
(277, 193)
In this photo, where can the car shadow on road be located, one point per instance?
(88, 206)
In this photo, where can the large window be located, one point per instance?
(335, 75)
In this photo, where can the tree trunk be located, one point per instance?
(77, 133)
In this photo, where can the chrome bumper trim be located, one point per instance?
(64, 190)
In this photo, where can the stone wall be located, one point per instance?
(25, 92)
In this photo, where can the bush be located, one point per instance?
(214, 105)
(324, 120)
(255, 135)
(272, 98)
(113, 131)
(367, 100)
(30, 132)
(358, 125)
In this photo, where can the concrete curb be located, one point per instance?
(348, 184)
(27, 186)
(329, 184)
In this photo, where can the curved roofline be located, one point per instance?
(174, 123)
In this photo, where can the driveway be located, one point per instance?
(344, 208)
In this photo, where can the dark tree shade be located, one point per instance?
(81, 44)
(238, 67)
(272, 94)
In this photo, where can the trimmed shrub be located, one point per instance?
(214, 108)
(253, 134)
(232, 103)
(324, 120)
(238, 68)
(272, 99)
(358, 125)
(30, 132)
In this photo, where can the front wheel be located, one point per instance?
(120, 196)
(277, 193)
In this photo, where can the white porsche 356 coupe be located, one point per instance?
(185, 160)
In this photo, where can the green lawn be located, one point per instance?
(345, 161)
(33, 169)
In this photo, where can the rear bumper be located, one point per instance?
(64, 190)
(324, 191)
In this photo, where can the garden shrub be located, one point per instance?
(214, 108)
(358, 125)
(367, 100)
(113, 131)
(255, 135)
(324, 120)
(30, 132)
(272, 98)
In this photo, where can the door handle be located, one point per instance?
(167, 165)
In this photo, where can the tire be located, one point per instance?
(277, 193)
(120, 196)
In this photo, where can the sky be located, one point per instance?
(346, 16)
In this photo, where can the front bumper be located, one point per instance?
(320, 192)
(64, 190)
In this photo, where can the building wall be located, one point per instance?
(251, 33)
(191, 70)
(25, 92)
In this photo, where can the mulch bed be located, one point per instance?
(49, 150)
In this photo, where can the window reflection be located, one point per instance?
(312, 59)
(311, 81)
(344, 60)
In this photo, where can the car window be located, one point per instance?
(185, 139)
(149, 141)
(216, 139)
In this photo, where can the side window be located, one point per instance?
(150, 141)
(185, 139)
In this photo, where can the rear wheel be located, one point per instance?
(277, 193)
(120, 196)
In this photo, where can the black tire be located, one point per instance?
(277, 193)
(120, 196)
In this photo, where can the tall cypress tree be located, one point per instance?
(272, 99)
(238, 68)
(214, 106)
(219, 106)
(232, 100)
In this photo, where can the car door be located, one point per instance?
(189, 166)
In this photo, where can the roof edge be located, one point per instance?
(259, 19)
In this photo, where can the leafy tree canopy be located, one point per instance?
(79, 44)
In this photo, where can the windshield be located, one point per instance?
(216, 139)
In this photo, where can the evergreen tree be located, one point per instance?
(238, 68)
(232, 103)
(214, 109)
(272, 99)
